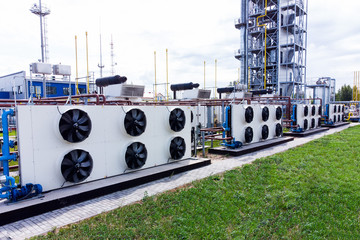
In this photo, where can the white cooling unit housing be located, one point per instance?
(61, 146)
(255, 122)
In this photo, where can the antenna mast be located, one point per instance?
(42, 12)
(112, 57)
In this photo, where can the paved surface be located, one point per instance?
(58, 218)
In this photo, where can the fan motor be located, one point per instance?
(75, 125)
(278, 114)
(265, 114)
(249, 114)
(249, 135)
(265, 132)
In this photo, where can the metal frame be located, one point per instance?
(277, 28)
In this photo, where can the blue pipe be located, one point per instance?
(6, 145)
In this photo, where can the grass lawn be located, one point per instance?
(309, 192)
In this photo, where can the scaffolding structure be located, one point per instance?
(273, 42)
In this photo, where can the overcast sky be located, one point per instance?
(193, 31)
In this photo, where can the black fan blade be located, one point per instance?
(84, 128)
(74, 155)
(138, 130)
(140, 116)
(128, 117)
(85, 164)
(82, 157)
(67, 162)
(141, 124)
(65, 127)
(142, 155)
(178, 113)
(75, 178)
(83, 173)
(83, 119)
(79, 136)
(140, 148)
(66, 117)
(76, 114)
(67, 172)
(133, 113)
(127, 124)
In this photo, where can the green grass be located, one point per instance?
(310, 192)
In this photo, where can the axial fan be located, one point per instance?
(334, 108)
(265, 132)
(335, 119)
(249, 135)
(135, 122)
(313, 110)
(319, 122)
(265, 114)
(249, 114)
(306, 124)
(339, 108)
(192, 116)
(339, 118)
(75, 125)
(278, 130)
(177, 120)
(135, 156)
(278, 113)
(76, 166)
(320, 111)
(306, 111)
(177, 148)
(343, 108)
(313, 123)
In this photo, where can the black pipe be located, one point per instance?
(106, 81)
(225, 90)
(183, 86)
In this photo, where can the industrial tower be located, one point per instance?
(273, 41)
(42, 12)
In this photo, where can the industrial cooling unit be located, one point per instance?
(305, 117)
(334, 113)
(254, 122)
(65, 145)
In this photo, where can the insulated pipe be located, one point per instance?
(106, 81)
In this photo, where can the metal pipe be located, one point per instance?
(77, 72)
(215, 76)
(7, 156)
(155, 92)
(167, 76)
(87, 65)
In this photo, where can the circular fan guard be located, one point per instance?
(313, 123)
(306, 111)
(135, 156)
(313, 110)
(177, 148)
(265, 114)
(75, 125)
(76, 166)
(249, 114)
(177, 120)
(278, 113)
(249, 134)
(265, 132)
(135, 122)
(306, 124)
